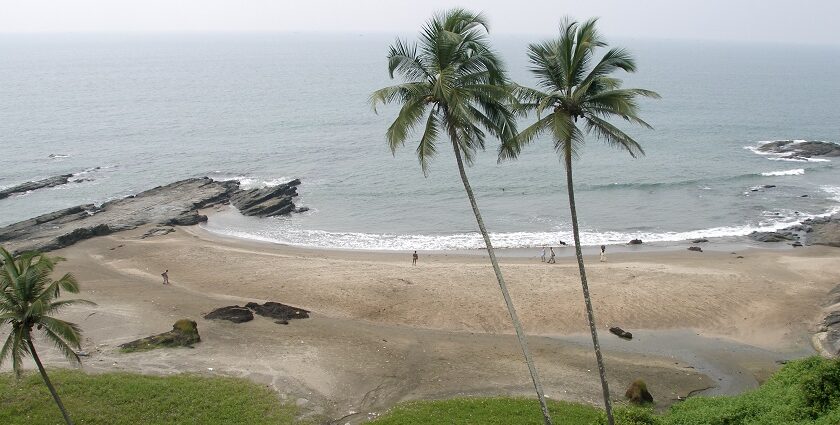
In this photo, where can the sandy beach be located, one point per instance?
(383, 331)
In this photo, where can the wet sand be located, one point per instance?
(383, 331)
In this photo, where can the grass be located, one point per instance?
(131, 399)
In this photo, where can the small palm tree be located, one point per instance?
(27, 299)
(571, 92)
(457, 89)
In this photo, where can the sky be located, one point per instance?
(774, 21)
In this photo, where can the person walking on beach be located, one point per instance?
(551, 257)
(165, 275)
(603, 253)
(414, 259)
(542, 255)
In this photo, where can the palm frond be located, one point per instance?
(613, 136)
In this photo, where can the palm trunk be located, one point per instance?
(590, 315)
(520, 334)
(49, 384)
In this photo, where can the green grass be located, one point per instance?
(804, 392)
(131, 399)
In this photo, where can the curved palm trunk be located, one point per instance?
(520, 334)
(49, 384)
(589, 313)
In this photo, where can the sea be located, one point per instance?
(127, 112)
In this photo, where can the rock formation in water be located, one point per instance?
(40, 184)
(267, 201)
(801, 150)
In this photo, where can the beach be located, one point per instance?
(383, 331)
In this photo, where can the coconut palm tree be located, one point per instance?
(572, 90)
(27, 301)
(456, 88)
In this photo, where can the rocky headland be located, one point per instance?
(175, 204)
(812, 231)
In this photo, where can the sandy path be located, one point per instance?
(383, 331)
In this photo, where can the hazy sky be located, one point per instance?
(804, 21)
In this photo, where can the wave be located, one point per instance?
(250, 182)
(287, 234)
(794, 172)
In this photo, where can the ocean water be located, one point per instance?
(265, 108)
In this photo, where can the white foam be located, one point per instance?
(248, 182)
(794, 172)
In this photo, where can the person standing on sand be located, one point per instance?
(165, 275)
(542, 255)
(551, 257)
(603, 253)
(414, 259)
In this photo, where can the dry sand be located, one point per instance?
(384, 331)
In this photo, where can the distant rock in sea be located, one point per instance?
(801, 149)
(34, 185)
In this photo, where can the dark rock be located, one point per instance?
(267, 201)
(833, 297)
(302, 209)
(621, 333)
(278, 311)
(637, 393)
(803, 196)
(188, 218)
(40, 184)
(635, 242)
(695, 248)
(699, 240)
(233, 313)
(796, 244)
(157, 231)
(802, 150)
(780, 236)
(183, 334)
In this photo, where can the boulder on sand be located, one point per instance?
(635, 242)
(184, 333)
(232, 313)
(621, 333)
(277, 311)
(695, 248)
(638, 394)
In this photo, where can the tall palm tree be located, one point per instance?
(27, 299)
(572, 91)
(456, 87)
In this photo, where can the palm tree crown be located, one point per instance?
(454, 82)
(570, 88)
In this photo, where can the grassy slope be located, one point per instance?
(805, 392)
(121, 398)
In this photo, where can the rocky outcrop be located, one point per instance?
(638, 394)
(635, 242)
(174, 204)
(40, 184)
(183, 334)
(699, 240)
(695, 248)
(268, 201)
(232, 313)
(621, 333)
(801, 150)
(281, 313)
(779, 236)
(812, 231)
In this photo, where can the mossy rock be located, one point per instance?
(184, 333)
(638, 393)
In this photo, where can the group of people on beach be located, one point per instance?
(552, 255)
